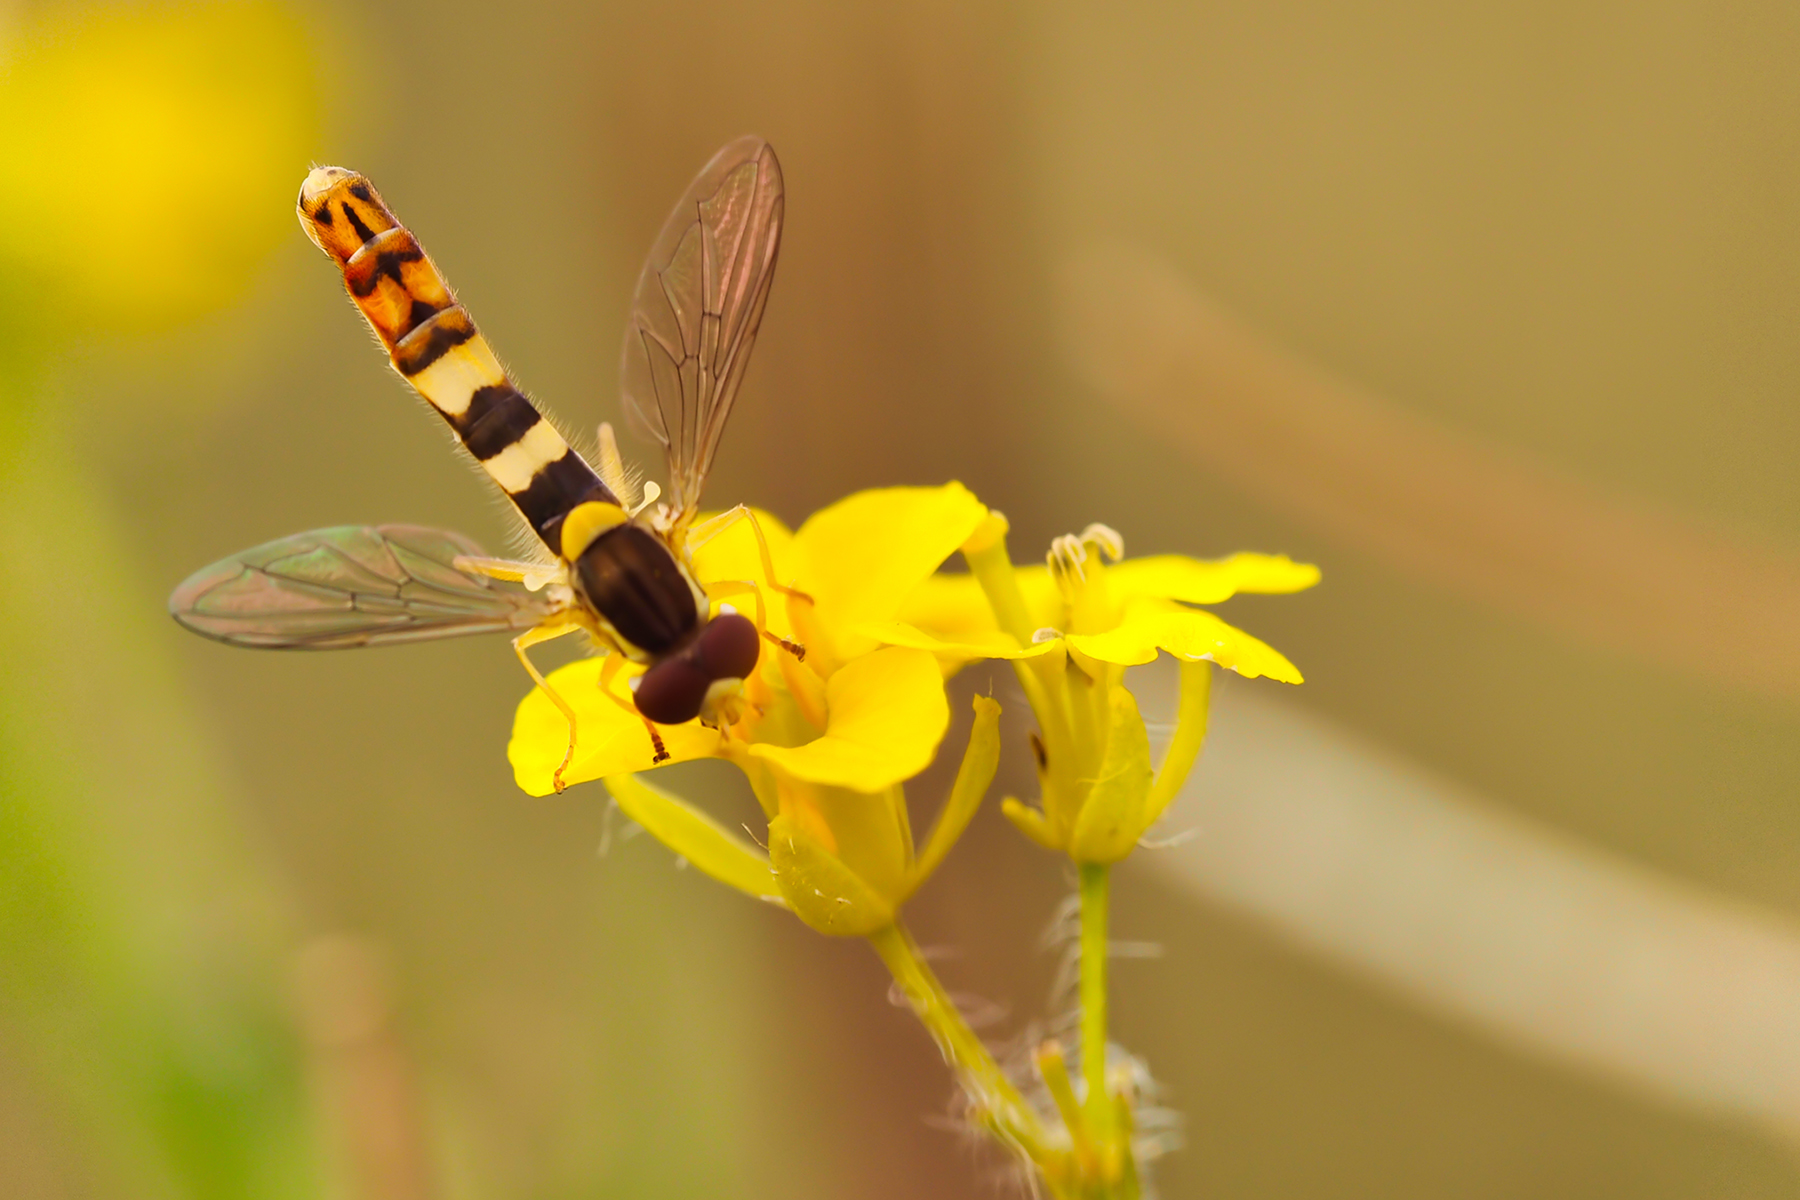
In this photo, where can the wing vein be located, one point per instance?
(327, 590)
(700, 299)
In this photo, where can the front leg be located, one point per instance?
(535, 576)
(610, 670)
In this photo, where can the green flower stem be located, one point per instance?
(1097, 1104)
(1000, 1107)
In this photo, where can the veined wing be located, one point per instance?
(354, 585)
(698, 304)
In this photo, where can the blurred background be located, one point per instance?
(1489, 310)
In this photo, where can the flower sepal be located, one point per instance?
(819, 887)
(1111, 819)
(1113, 812)
(696, 837)
(845, 862)
(842, 860)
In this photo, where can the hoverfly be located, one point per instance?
(619, 564)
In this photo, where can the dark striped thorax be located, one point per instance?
(633, 588)
(626, 572)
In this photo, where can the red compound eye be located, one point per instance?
(673, 690)
(728, 647)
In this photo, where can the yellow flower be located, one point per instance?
(827, 742)
(1120, 614)
(1072, 627)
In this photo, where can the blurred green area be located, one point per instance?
(1568, 230)
(141, 934)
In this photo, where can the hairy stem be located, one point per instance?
(1098, 1105)
(999, 1106)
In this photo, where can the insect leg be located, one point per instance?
(707, 530)
(661, 751)
(768, 561)
(711, 529)
(533, 575)
(531, 637)
(608, 670)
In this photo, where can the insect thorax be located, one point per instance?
(629, 577)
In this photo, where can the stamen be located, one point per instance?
(1069, 567)
(1106, 538)
(1067, 557)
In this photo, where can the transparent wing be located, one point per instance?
(698, 304)
(355, 585)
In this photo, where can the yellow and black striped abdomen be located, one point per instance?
(435, 345)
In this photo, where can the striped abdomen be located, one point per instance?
(435, 345)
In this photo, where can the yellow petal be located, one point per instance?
(612, 741)
(863, 555)
(955, 608)
(888, 714)
(1190, 635)
(1199, 581)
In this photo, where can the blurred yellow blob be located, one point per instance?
(149, 154)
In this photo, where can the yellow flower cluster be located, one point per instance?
(828, 742)
(1073, 626)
